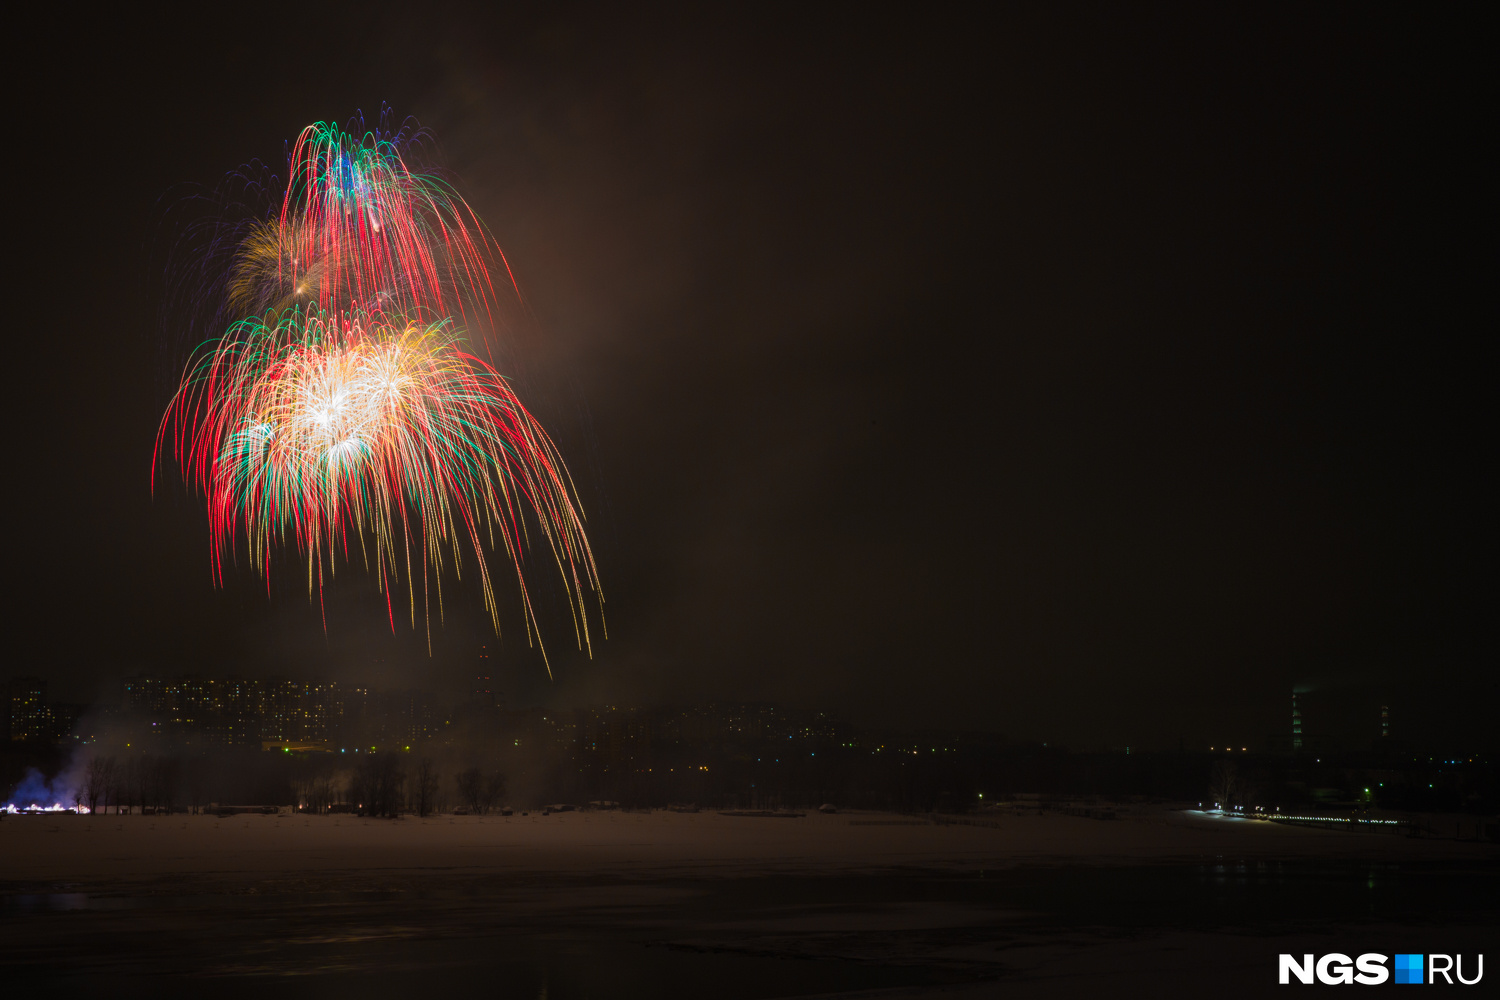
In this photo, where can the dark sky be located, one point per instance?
(1081, 373)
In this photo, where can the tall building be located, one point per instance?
(1385, 721)
(236, 710)
(64, 717)
(26, 707)
(1296, 724)
(483, 694)
(322, 712)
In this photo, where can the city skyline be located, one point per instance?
(319, 713)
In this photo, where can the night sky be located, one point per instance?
(1082, 374)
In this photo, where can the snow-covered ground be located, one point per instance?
(648, 905)
(657, 844)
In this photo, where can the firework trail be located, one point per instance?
(342, 414)
(358, 227)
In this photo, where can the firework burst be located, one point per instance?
(344, 417)
(358, 227)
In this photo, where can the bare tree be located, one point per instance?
(1250, 788)
(144, 778)
(377, 785)
(494, 790)
(1224, 783)
(315, 793)
(112, 784)
(96, 781)
(426, 787)
(480, 792)
(197, 773)
(130, 784)
(150, 783)
(471, 790)
(325, 792)
(116, 782)
(163, 774)
(312, 786)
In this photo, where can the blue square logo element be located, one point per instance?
(1408, 968)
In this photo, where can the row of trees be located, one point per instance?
(381, 786)
(389, 784)
(145, 781)
(1230, 786)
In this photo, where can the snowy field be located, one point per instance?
(624, 905)
(657, 844)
